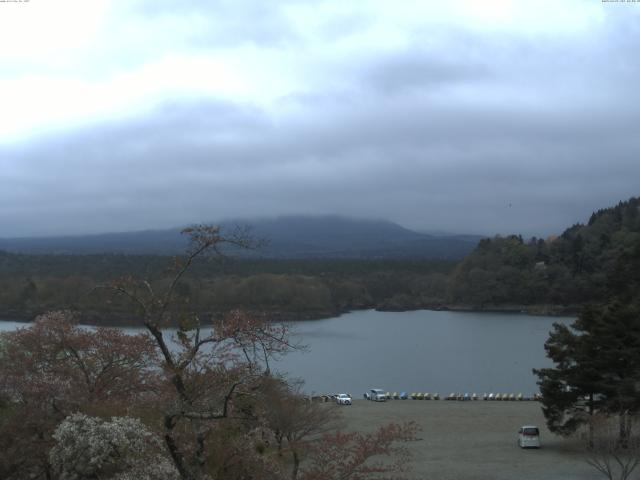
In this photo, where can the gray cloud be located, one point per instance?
(418, 69)
(492, 134)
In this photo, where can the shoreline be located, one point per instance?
(543, 310)
(95, 320)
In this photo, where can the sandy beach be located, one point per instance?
(476, 440)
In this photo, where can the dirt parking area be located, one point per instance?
(475, 440)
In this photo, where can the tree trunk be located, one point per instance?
(624, 428)
(591, 409)
(174, 450)
(279, 436)
(296, 465)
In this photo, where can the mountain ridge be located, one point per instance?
(329, 236)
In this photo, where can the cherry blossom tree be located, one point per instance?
(203, 385)
(383, 454)
(53, 368)
(214, 373)
(295, 421)
(119, 449)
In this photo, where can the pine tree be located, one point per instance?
(597, 358)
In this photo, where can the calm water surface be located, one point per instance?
(423, 351)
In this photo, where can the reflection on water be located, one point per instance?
(420, 351)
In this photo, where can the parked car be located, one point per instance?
(376, 394)
(529, 437)
(343, 399)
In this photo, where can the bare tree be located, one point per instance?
(613, 457)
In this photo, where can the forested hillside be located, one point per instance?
(569, 270)
(554, 275)
(296, 289)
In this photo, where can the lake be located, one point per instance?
(419, 351)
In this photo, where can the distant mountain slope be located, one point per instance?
(150, 241)
(288, 237)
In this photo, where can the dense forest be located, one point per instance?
(570, 270)
(296, 289)
(553, 275)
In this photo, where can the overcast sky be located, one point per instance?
(470, 116)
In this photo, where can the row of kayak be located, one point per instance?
(465, 396)
(499, 397)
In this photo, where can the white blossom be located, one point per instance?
(119, 449)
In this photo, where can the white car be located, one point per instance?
(376, 394)
(529, 437)
(343, 399)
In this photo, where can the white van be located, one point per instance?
(529, 437)
(376, 394)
